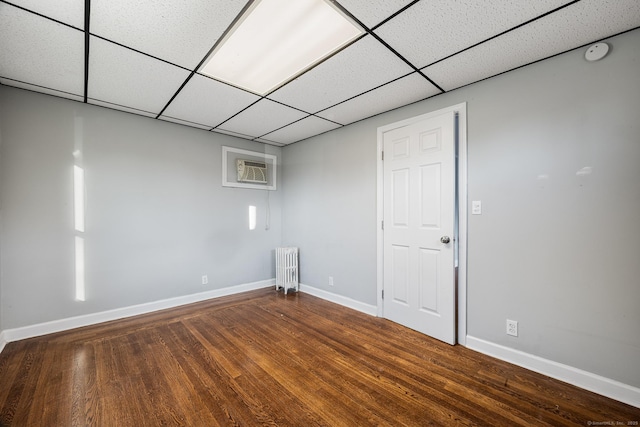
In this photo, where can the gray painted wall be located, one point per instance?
(1, 227)
(330, 191)
(157, 217)
(558, 254)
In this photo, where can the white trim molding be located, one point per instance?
(10, 335)
(339, 299)
(583, 379)
(3, 341)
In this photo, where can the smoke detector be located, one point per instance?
(596, 52)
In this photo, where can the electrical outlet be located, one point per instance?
(205, 279)
(330, 280)
(512, 327)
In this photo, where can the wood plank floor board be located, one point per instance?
(175, 332)
(288, 357)
(85, 393)
(263, 358)
(154, 372)
(21, 390)
(209, 375)
(109, 391)
(454, 369)
(253, 374)
(211, 394)
(344, 352)
(301, 358)
(405, 383)
(327, 364)
(9, 371)
(50, 383)
(289, 375)
(239, 410)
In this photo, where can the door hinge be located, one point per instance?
(383, 156)
(383, 294)
(382, 225)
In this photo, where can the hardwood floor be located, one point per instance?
(262, 358)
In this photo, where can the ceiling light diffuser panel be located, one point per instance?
(276, 40)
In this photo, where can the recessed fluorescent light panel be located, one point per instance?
(276, 40)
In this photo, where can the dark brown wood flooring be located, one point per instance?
(262, 358)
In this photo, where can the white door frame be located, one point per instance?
(461, 109)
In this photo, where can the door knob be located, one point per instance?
(445, 239)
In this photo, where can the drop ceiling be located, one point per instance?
(144, 57)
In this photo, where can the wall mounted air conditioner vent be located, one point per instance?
(252, 171)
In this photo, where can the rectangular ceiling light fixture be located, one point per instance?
(276, 40)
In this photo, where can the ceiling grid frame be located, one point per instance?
(382, 15)
(87, 38)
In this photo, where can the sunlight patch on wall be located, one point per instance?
(252, 217)
(79, 211)
(80, 269)
(78, 198)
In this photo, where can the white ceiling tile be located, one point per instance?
(206, 101)
(27, 86)
(176, 31)
(393, 95)
(184, 122)
(431, 30)
(40, 52)
(121, 108)
(122, 76)
(68, 11)
(576, 25)
(262, 117)
(302, 129)
(372, 12)
(360, 67)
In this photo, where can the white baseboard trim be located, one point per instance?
(583, 379)
(10, 335)
(339, 299)
(3, 341)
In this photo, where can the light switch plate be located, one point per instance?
(476, 207)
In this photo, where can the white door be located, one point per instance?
(419, 203)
